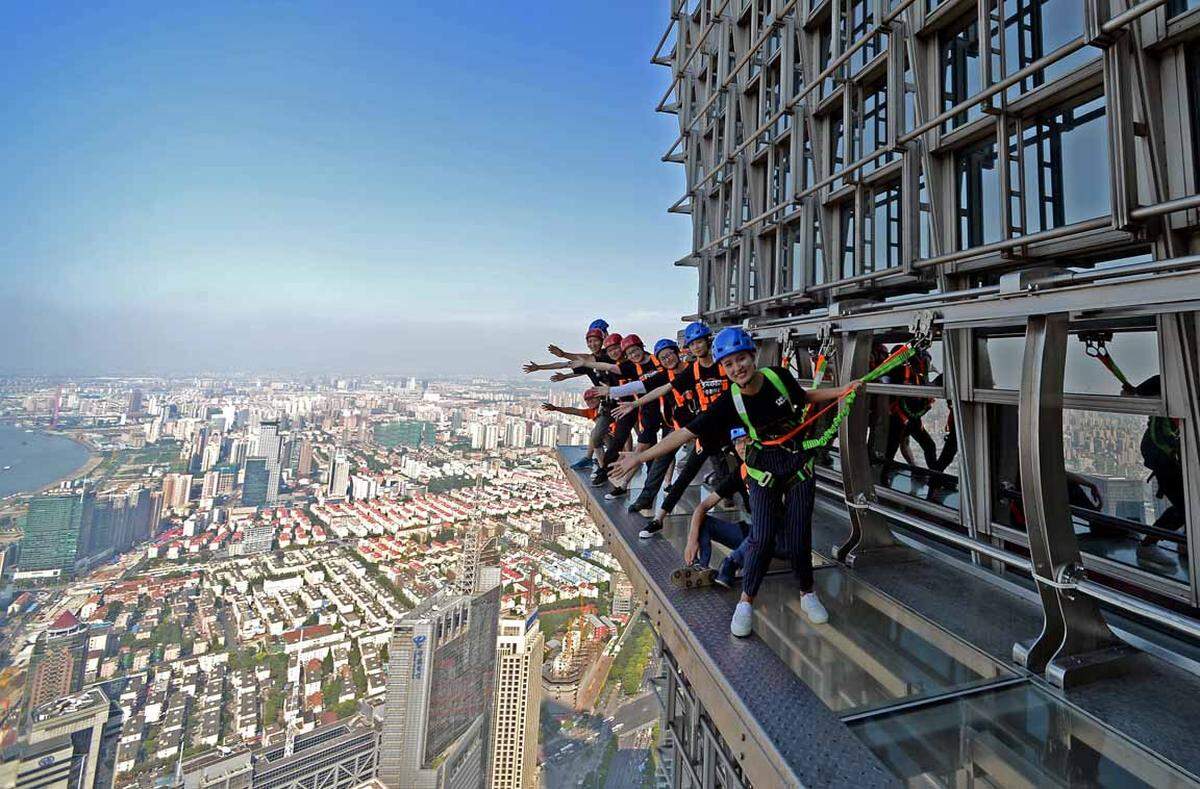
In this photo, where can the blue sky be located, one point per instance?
(343, 187)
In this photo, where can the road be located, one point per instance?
(633, 720)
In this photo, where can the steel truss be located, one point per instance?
(854, 165)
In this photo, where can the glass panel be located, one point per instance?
(998, 361)
(1132, 354)
(1193, 79)
(1061, 183)
(1118, 513)
(846, 249)
(1014, 736)
(882, 231)
(872, 651)
(960, 73)
(1036, 28)
(979, 203)
(818, 269)
(1004, 466)
(874, 126)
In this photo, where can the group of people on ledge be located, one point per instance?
(707, 402)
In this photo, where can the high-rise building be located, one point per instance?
(622, 595)
(363, 488)
(339, 476)
(304, 458)
(239, 450)
(257, 480)
(54, 532)
(269, 448)
(340, 756)
(517, 709)
(119, 518)
(57, 664)
(62, 747)
(177, 491)
(136, 407)
(260, 537)
(440, 692)
(491, 437)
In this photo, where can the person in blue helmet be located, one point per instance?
(702, 381)
(769, 403)
(677, 410)
(596, 334)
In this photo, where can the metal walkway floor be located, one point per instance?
(905, 682)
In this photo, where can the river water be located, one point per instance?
(36, 459)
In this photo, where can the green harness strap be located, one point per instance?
(765, 478)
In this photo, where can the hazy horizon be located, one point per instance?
(352, 188)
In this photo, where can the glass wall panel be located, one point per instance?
(1061, 182)
(874, 125)
(882, 231)
(1036, 28)
(960, 72)
(1124, 475)
(998, 361)
(1132, 354)
(846, 247)
(979, 203)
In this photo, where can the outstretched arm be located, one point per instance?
(566, 409)
(629, 461)
(648, 397)
(570, 356)
(607, 367)
(815, 396)
(534, 367)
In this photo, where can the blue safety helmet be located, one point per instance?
(665, 343)
(600, 324)
(695, 331)
(737, 432)
(730, 341)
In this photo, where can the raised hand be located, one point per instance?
(530, 367)
(549, 407)
(626, 464)
(560, 377)
(556, 351)
(596, 391)
(624, 409)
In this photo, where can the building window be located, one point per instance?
(874, 125)
(1062, 183)
(882, 229)
(1036, 28)
(960, 73)
(978, 196)
(847, 233)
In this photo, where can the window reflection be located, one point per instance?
(960, 73)
(978, 196)
(1130, 469)
(998, 361)
(1133, 355)
(1061, 183)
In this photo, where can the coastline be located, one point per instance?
(93, 460)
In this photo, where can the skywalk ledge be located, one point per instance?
(777, 729)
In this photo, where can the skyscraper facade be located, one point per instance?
(269, 448)
(56, 666)
(177, 490)
(339, 476)
(54, 526)
(517, 709)
(440, 692)
(257, 481)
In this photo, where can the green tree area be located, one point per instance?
(273, 706)
(630, 663)
(551, 622)
(443, 484)
(356, 671)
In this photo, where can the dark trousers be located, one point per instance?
(780, 521)
(900, 429)
(719, 530)
(654, 481)
(683, 477)
(616, 439)
(600, 428)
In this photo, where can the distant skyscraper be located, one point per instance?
(304, 461)
(57, 663)
(54, 531)
(269, 448)
(260, 537)
(339, 476)
(517, 709)
(62, 747)
(491, 437)
(440, 692)
(177, 490)
(254, 486)
(136, 407)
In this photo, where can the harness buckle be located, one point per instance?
(826, 345)
(921, 329)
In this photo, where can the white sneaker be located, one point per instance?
(810, 604)
(743, 618)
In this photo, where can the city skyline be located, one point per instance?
(303, 188)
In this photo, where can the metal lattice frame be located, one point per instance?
(852, 165)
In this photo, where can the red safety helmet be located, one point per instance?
(612, 339)
(630, 341)
(594, 333)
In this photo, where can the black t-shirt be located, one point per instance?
(645, 371)
(712, 381)
(767, 410)
(595, 376)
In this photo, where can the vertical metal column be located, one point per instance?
(1075, 645)
(870, 538)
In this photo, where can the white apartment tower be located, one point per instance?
(517, 709)
(268, 447)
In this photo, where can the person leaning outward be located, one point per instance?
(769, 403)
(703, 381)
(676, 411)
(602, 422)
(635, 365)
